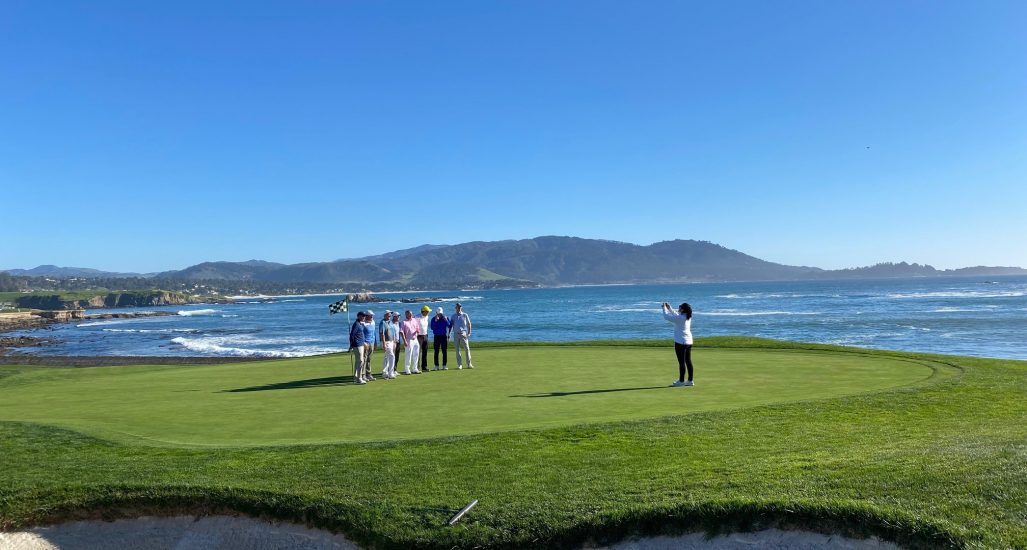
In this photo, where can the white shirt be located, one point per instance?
(682, 327)
(422, 328)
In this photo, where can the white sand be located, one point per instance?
(224, 532)
(178, 533)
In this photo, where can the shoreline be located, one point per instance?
(85, 361)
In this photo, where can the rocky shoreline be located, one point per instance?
(8, 343)
(35, 320)
(80, 361)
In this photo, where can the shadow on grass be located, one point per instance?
(298, 384)
(583, 392)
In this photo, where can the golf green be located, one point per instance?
(313, 400)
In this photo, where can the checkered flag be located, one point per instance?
(341, 305)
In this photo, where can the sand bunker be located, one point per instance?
(224, 532)
(180, 533)
(770, 539)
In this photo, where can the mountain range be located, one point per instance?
(541, 261)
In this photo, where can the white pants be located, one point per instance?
(389, 364)
(413, 355)
(462, 344)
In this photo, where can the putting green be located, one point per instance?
(311, 400)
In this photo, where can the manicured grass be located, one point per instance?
(940, 462)
(313, 400)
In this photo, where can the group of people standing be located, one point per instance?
(411, 333)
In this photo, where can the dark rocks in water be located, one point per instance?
(425, 299)
(132, 315)
(10, 342)
(368, 298)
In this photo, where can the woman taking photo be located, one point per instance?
(682, 340)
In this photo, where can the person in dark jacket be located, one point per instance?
(440, 329)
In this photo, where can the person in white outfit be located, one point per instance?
(682, 321)
(460, 330)
(408, 329)
(388, 334)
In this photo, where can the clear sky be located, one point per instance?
(144, 136)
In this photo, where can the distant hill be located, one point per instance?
(542, 261)
(65, 272)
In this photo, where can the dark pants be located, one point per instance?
(397, 352)
(684, 354)
(423, 340)
(441, 342)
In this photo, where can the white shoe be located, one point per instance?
(459, 368)
(470, 366)
(688, 383)
(677, 384)
(360, 382)
(445, 368)
(436, 368)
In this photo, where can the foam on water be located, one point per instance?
(735, 313)
(191, 312)
(215, 346)
(959, 294)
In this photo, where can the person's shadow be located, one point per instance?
(298, 384)
(583, 392)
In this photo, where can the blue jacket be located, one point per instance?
(439, 327)
(356, 334)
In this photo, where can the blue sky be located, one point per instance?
(144, 136)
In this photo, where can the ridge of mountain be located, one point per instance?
(539, 261)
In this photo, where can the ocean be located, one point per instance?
(980, 316)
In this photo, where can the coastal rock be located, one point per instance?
(132, 315)
(111, 300)
(369, 298)
(62, 315)
(10, 342)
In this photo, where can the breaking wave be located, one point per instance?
(191, 312)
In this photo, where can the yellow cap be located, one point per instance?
(425, 308)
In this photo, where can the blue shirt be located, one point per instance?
(356, 334)
(369, 336)
(439, 326)
(388, 330)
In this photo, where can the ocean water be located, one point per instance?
(967, 316)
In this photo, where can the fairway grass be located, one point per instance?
(561, 445)
(313, 400)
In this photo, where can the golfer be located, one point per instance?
(460, 330)
(408, 331)
(682, 340)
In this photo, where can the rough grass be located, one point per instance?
(941, 463)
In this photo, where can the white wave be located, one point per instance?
(103, 323)
(955, 310)
(212, 346)
(959, 294)
(228, 316)
(192, 312)
(626, 309)
(152, 331)
(731, 313)
(293, 300)
(911, 327)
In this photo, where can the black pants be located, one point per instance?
(423, 341)
(441, 342)
(684, 353)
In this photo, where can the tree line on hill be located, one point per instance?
(542, 261)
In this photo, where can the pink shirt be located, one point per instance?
(409, 328)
